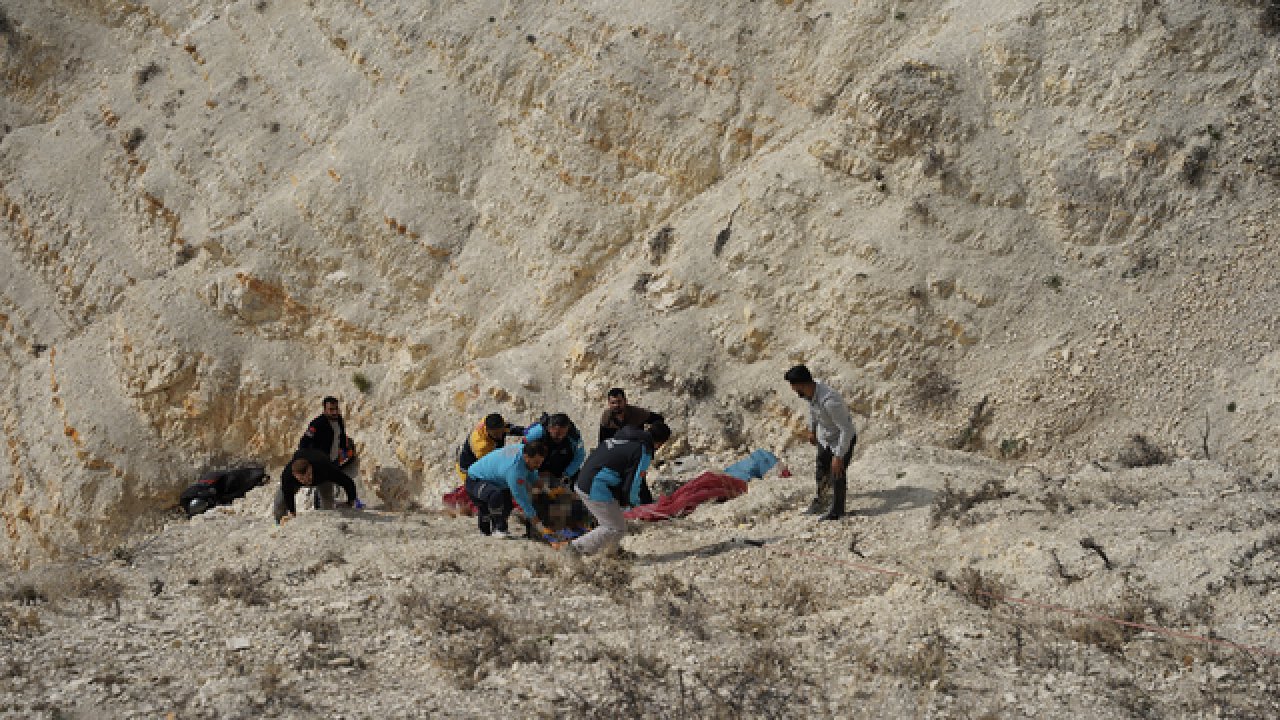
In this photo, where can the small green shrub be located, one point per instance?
(1054, 283)
(1012, 447)
(362, 382)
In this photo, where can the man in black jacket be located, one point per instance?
(312, 468)
(610, 480)
(328, 433)
(619, 414)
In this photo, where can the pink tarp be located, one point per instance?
(707, 487)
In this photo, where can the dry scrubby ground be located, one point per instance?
(382, 614)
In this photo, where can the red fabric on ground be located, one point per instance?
(459, 502)
(706, 487)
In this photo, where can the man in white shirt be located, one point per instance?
(831, 429)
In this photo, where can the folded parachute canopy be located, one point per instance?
(707, 487)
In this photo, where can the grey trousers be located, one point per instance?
(611, 526)
(326, 492)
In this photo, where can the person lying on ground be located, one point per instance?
(488, 435)
(312, 468)
(222, 487)
(610, 479)
(500, 481)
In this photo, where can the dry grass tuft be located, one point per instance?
(333, 558)
(473, 640)
(247, 586)
(1141, 452)
(953, 504)
(934, 391)
(926, 664)
(1110, 636)
(764, 685)
(610, 572)
(981, 590)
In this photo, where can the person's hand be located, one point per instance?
(285, 518)
(837, 466)
(541, 529)
(813, 439)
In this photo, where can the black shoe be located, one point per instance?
(832, 514)
(486, 527)
(815, 507)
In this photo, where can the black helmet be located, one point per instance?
(196, 505)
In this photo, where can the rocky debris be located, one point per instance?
(745, 608)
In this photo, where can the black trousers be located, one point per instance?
(493, 502)
(822, 470)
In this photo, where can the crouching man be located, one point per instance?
(500, 481)
(312, 468)
(611, 478)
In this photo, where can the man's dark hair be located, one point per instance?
(558, 420)
(659, 432)
(617, 392)
(493, 421)
(329, 399)
(536, 448)
(798, 374)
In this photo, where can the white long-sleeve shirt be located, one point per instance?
(830, 420)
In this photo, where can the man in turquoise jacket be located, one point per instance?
(500, 480)
(612, 477)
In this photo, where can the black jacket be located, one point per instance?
(319, 435)
(622, 454)
(322, 470)
(222, 487)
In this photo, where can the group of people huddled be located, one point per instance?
(549, 461)
(551, 457)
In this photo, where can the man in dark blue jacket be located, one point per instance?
(564, 445)
(611, 478)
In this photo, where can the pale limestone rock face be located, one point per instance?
(212, 217)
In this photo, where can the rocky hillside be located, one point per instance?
(959, 590)
(1028, 229)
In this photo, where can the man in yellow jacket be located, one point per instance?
(489, 435)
